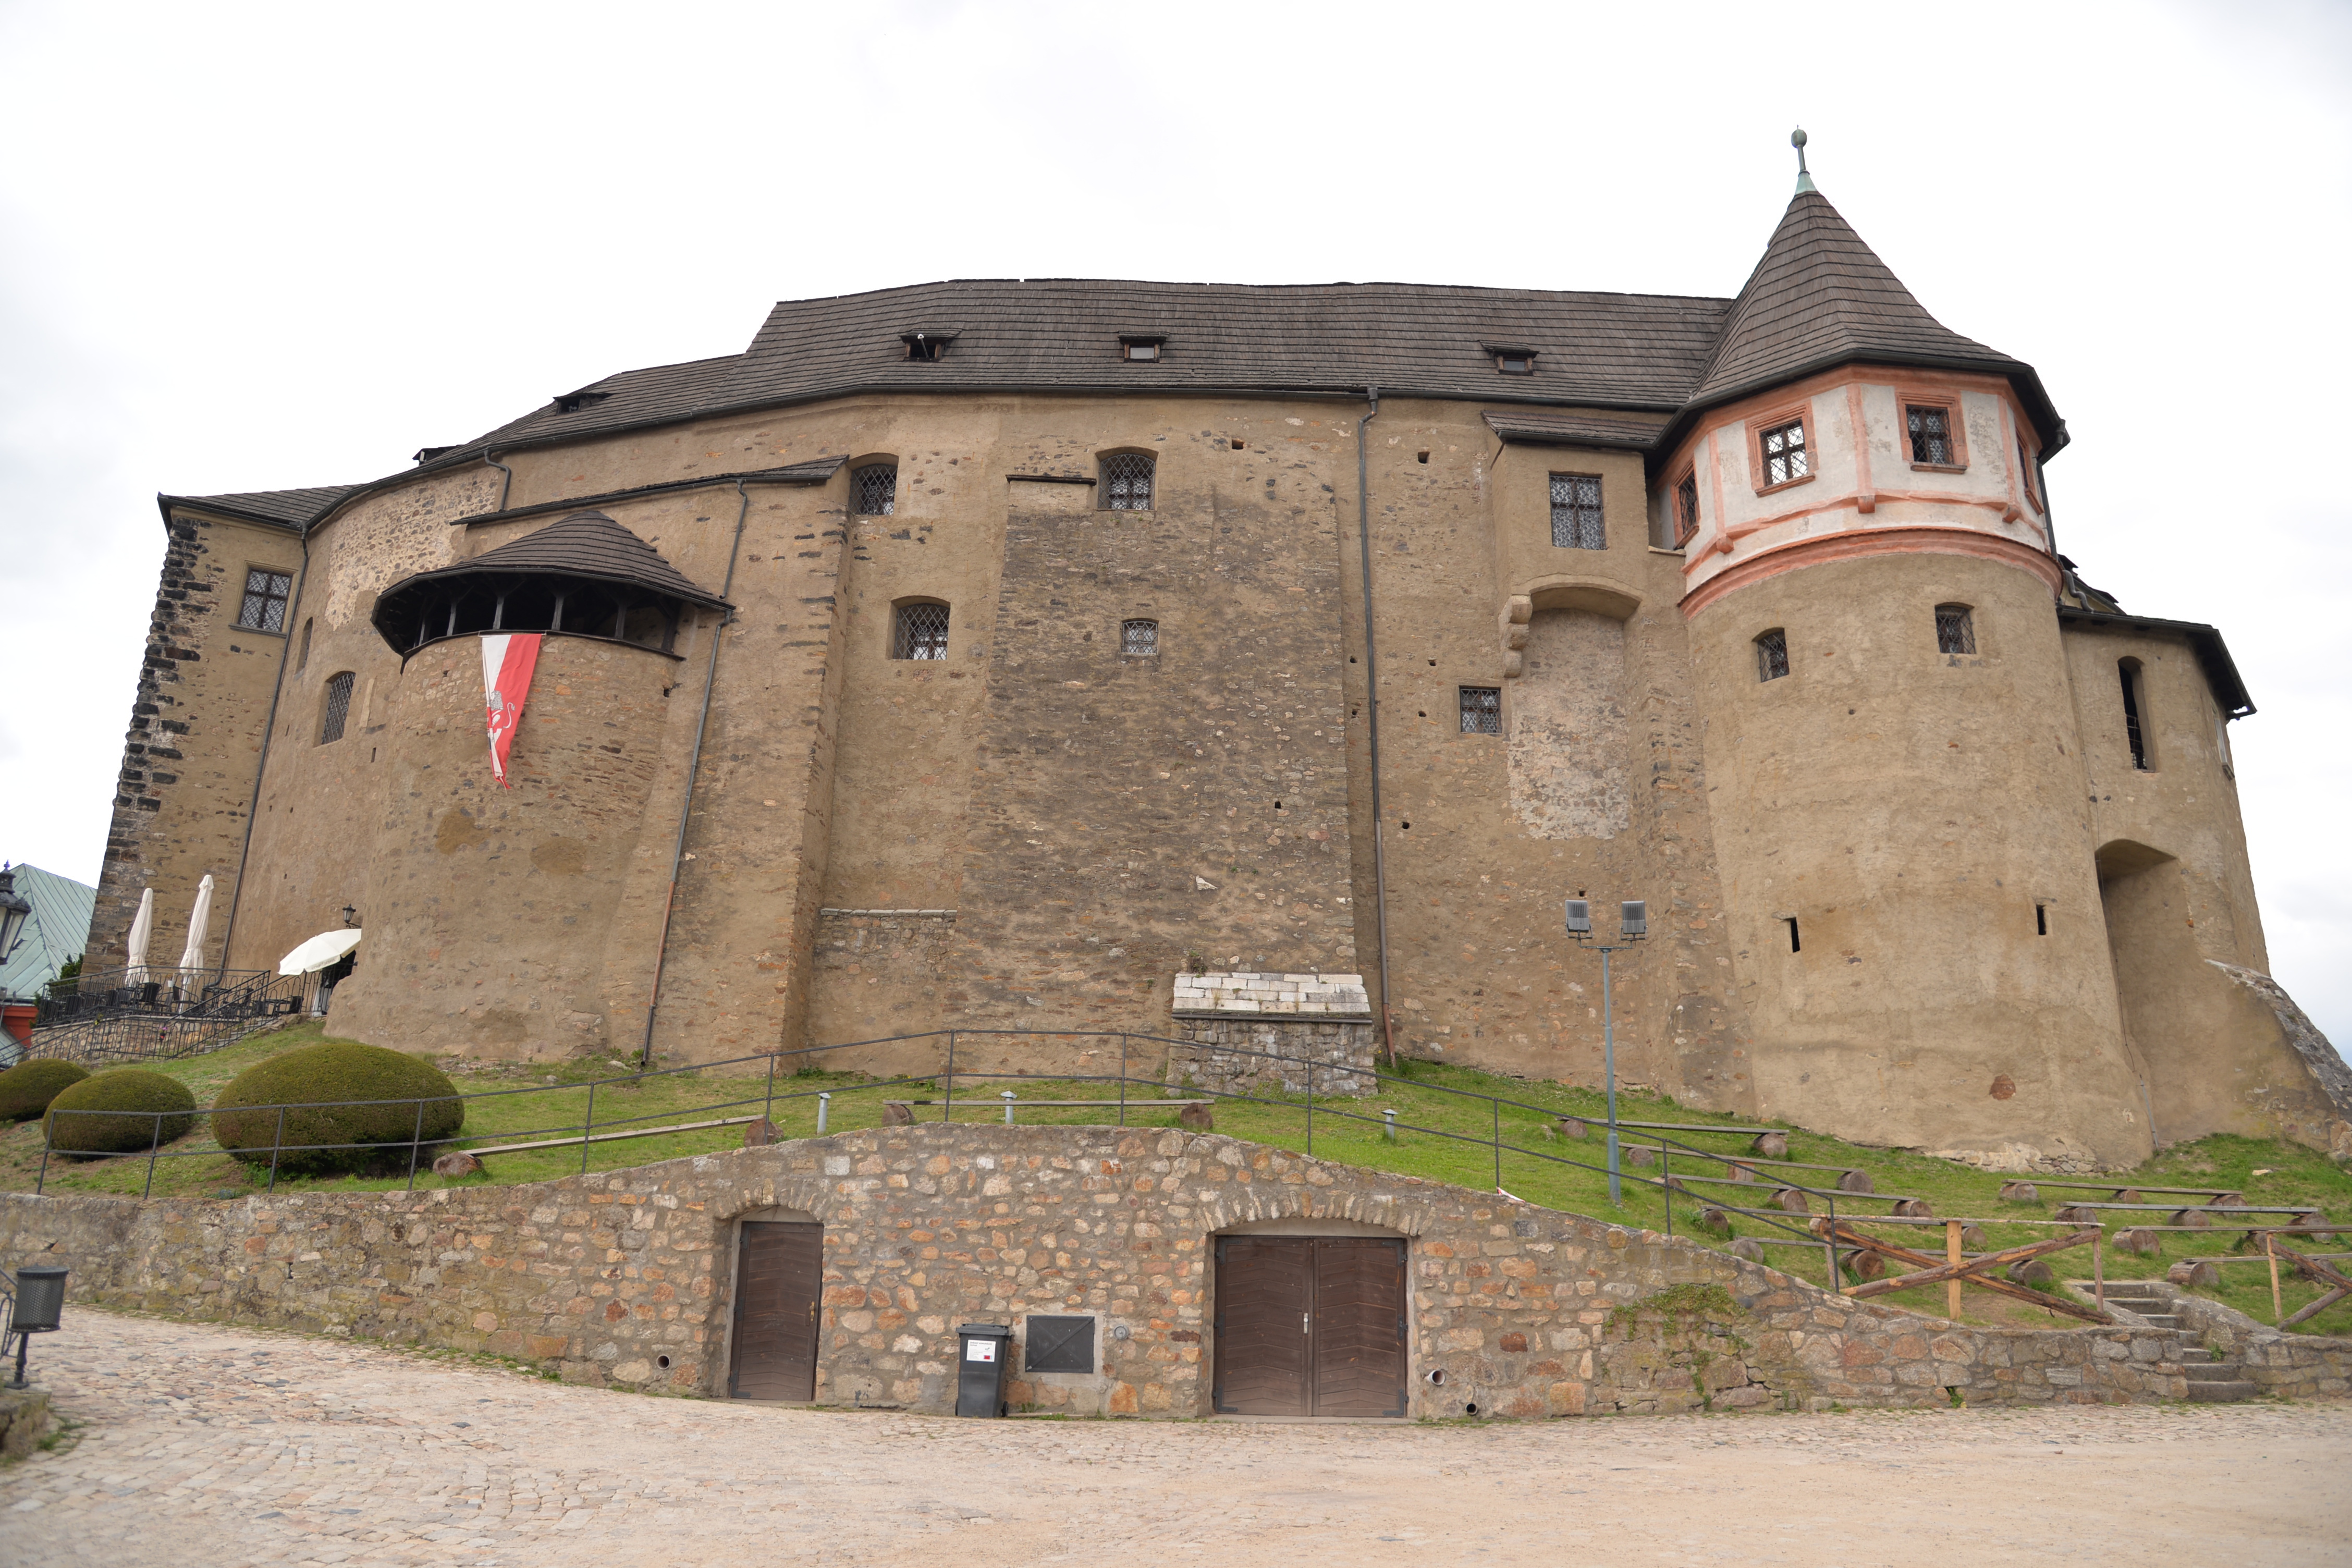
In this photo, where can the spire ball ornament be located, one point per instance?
(1804, 179)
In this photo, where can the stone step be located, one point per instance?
(2211, 1371)
(2221, 1392)
(2194, 1355)
(2160, 1320)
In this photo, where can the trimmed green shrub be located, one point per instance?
(27, 1088)
(135, 1092)
(312, 1078)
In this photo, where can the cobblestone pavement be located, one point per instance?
(210, 1448)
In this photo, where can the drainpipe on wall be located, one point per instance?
(1372, 709)
(268, 733)
(505, 487)
(693, 770)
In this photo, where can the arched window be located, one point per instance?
(1955, 629)
(874, 490)
(1127, 481)
(1141, 638)
(920, 630)
(1771, 654)
(338, 708)
(2135, 715)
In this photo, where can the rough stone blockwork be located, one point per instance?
(1528, 1312)
(1231, 1056)
(2289, 1366)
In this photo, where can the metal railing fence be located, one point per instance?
(152, 991)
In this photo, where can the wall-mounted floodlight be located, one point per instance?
(1633, 918)
(1579, 918)
(1633, 926)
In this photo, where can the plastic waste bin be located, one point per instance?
(983, 1349)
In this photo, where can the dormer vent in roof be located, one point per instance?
(1512, 359)
(928, 347)
(1142, 347)
(1804, 178)
(573, 402)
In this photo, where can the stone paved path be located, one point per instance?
(207, 1447)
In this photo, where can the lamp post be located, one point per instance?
(35, 1308)
(1633, 926)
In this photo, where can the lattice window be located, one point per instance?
(1127, 481)
(1687, 509)
(1576, 512)
(1931, 434)
(874, 490)
(266, 594)
(1482, 710)
(339, 707)
(1772, 654)
(1955, 629)
(1785, 455)
(922, 632)
(1139, 638)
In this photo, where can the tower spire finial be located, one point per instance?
(1804, 178)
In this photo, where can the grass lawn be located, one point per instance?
(513, 1103)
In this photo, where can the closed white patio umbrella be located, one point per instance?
(143, 931)
(192, 957)
(319, 952)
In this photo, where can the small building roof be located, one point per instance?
(56, 929)
(2212, 653)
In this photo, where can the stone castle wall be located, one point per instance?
(624, 1279)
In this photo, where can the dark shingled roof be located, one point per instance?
(1821, 298)
(634, 397)
(2212, 653)
(289, 509)
(585, 544)
(1543, 427)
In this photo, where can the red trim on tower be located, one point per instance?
(1821, 549)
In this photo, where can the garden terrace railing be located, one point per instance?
(152, 991)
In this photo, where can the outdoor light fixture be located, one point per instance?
(1633, 926)
(350, 917)
(39, 1302)
(14, 909)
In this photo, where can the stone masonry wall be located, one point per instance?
(1527, 1312)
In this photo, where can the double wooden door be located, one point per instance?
(779, 1271)
(1310, 1326)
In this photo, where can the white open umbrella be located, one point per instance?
(142, 930)
(319, 952)
(192, 957)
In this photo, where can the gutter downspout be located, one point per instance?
(1372, 709)
(693, 772)
(268, 733)
(506, 486)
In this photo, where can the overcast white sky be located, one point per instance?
(249, 247)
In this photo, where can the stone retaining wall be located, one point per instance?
(1526, 1311)
(2292, 1366)
(1229, 1055)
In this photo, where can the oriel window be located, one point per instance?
(921, 631)
(1576, 512)
(1931, 435)
(266, 593)
(1482, 710)
(338, 709)
(1784, 453)
(874, 490)
(1127, 481)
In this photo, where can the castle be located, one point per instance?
(1006, 654)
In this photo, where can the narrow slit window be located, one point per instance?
(922, 632)
(1931, 435)
(1955, 629)
(302, 659)
(2025, 476)
(1139, 639)
(2134, 722)
(2042, 919)
(1785, 455)
(1127, 481)
(1796, 943)
(266, 594)
(874, 490)
(1687, 509)
(1772, 654)
(338, 709)
(1576, 512)
(1482, 710)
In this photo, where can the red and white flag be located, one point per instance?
(507, 659)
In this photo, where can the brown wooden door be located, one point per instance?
(1310, 1326)
(778, 1274)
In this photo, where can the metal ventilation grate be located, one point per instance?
(1127, 481)
(922, 632)
(874, 490)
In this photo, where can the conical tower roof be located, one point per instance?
(1822, 297)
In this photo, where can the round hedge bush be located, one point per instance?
(312, 1078)
(133, 1091)
(27, 1088)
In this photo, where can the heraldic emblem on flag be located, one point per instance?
(507, 659)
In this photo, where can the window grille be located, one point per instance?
(1127, 481)
(1785, 457)
(264, 601)
(1482, 710)
(921, 633)
(1576, 512)
(1140, 638)
(1772, 654)
(339, 706)
(874, 490)
(1955, 629)
(1687, 509)
(1931, 435)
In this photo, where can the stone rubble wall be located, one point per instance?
(1229, 1055)
(2290, 1365)
(1527, 1312)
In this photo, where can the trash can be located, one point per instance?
(983, 1349)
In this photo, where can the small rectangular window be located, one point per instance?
(1930, 427)
(874, 490)
(1482, 710)
(1785, 455)
(1955, 629)
(1772, 654)
(2135, 725)
(1576, 512)
(1127, 481)
(922, 632)
(1141, 350)
(339, 707)
(1138, 638)
(266, 593)
(1687, 509)
(1795, 943)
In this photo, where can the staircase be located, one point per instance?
(2211, 1382)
